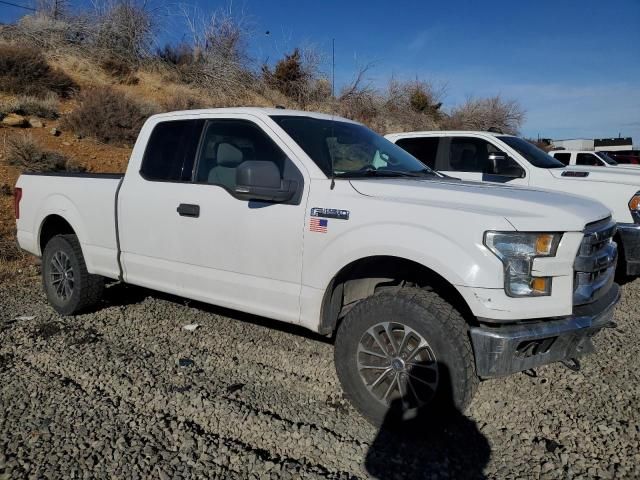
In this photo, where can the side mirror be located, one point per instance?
(256, 180)
(501, 164)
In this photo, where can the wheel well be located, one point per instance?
(53, 225)
(364, 277)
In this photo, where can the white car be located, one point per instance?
(589, 158)
(427, 282)
(496, 157)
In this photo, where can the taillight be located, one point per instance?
(17, 196)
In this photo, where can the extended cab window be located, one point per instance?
(563, 157)
(228, 143)
(588, 159)
(424, 149)
(171, 150)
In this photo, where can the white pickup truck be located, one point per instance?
(589, 158)
(495, 157)
(427, 282)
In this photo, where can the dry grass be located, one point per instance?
(43, 107)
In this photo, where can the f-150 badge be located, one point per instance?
(330, 213)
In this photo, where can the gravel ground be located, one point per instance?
(126, 392)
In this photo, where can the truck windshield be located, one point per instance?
(351, 149)
(535, 156)
(606, 158)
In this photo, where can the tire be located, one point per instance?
(76, 291)
(439, 378)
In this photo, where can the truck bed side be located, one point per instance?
(85, 201)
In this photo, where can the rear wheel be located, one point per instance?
(405, 354)
(70, 288)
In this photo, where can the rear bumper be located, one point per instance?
(630, 238)
(513, 348)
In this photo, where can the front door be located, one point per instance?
(213, 246)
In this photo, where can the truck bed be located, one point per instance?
(88, 203)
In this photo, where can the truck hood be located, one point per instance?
(626, 176)
(525, 208)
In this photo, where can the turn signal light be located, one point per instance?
(634, 203)
(540, 285)
(544, 244)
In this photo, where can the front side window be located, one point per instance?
(470, 154)
(535, 156)
(424, 149)
(171, 150)
(588, 159)
(565, 158)
(349, 150)
(228, 143)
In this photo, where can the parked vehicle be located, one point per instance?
(588, 158)
(427, 282)
(625, 157)
(495, 157)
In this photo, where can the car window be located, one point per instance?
(563, 157)
(171, 150)
(588, 159)
(228, 143)
(424, 149)
(535, 156)
(349, 150)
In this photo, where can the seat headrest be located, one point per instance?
(228, 155)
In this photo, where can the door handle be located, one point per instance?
(188, 210)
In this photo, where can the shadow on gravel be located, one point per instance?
(122, 294)
(447, 445)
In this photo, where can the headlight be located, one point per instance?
(634, 207)
(517, 252)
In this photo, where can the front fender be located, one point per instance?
(462, 261)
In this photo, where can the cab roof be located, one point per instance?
(257, 111)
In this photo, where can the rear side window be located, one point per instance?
(587, 159)
(171, 151)
(424, 149)
(563, 157)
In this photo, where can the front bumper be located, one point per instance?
(513, 348)
(630, 238)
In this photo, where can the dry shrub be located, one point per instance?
(120, 70)
(9, 249)
(45, 107)
(108, 116)
(486, 113)
(297, 76)
(26, 71)
(6, 189)
(26, 154)
(182, 102)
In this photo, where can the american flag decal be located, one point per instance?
(318, 225)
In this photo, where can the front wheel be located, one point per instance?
(70, 288)
(403, 354)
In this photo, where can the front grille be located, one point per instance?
(595, 264)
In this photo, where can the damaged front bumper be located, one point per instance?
(502, 350)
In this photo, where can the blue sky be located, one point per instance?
(573, 65)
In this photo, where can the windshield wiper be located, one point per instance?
(373, 172)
